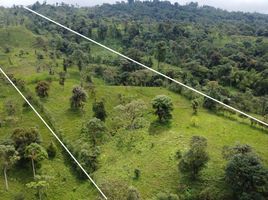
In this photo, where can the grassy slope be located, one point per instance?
(64, 185)
(157, 164)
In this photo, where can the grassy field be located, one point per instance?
(151, 149)
(64, 185)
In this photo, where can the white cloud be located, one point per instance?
(231, 5)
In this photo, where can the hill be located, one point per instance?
(108, 121)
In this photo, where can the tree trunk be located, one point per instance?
(5, 174)
(33, 168)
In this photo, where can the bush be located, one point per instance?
(42, 89)
(196, 158)
(52, 150)
(133, 194)
(165, 196)
(137, 174)
(247, 177)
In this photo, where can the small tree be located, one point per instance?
(99, 110)
(78, 98)
(52, 150)
(195, 105)
(196, 158)
(24, 137)
(62, 77)
(214, 92)
(245, 174)
(160, 52)
(41, 183)
(9, 157)
(163, 107)
(131, 114)
(133, 194)
(94, 129)
(10, 107)
(36, 153)
(42, 89)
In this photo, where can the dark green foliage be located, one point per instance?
(160, 52)
(24, 137)
(42, 89)
(62, 77)
(52, 150)
(99, 110)
(195, 105)
(214, 92)
(78, 98)
(247, 177)
(196, 158)
(102, 31)
(163, 107)
(137, 174)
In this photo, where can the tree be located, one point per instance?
(78, 98)
(86, 153)
(42, 89)
(245, 174)
(166, 196)
(196, 158)
(160, 52)
(195, 105)
(214, 92)
(40, 184)
(131, 114)
(99, 110)
(9, 156)
(65, 65)
(163, 107)
(10, 107)
(102, 31)
(24, 137)
(133, 194)
(94, 129)
(52, 150)
(62, 77)
(36, 153)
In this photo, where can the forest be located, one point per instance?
(139, 135)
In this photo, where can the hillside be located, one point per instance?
(102, 107)
(63, 185)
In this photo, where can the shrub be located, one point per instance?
(137, 174)
(196, 158)
(42, 89)
(163, 107)
(52, 150)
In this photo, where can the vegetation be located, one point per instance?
(196, 158)
(128, 127)
(163, 107)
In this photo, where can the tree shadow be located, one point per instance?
(156, 127)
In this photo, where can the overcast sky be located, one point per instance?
(231, 5)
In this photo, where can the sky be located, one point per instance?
(260, 6)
